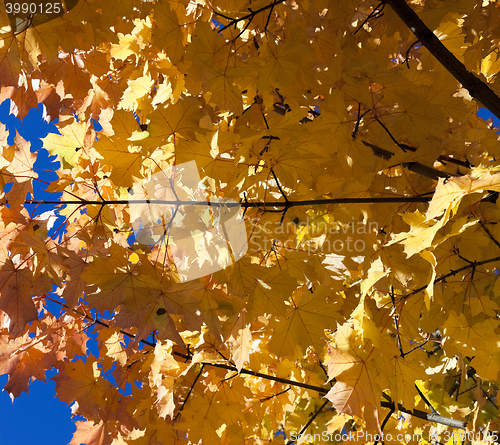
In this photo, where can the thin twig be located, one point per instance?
(265, 399)
(358, 121)
(396, 323)
(407, 60)
(311, 420)
(282, 194)
(492, 238)
(403, 147)
(248, 16)
(189, 392)
(426, 400)
(374, 14)
(384, 423)
(418, 346)
(453, 273)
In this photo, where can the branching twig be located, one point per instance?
(250, 16)
(418, 346)
(282, 194)
(375, 14)
(321, 390)
(453, 273)
(396, 322)
(358, 120)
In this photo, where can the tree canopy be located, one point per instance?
(361, 297)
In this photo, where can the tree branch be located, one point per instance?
(247, 204)
(416, 167)
(311, 420)
(248, 16)
(427, 416)
(384, 423)
(375, 14)
(452, 273)
(189, 392)
(477, 88)
(263, 205)
(321, 390)
(492, 238)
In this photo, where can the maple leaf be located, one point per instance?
(356, 392)
(168, 33)
(18, 161)
(183, 118)
(23, 361)
(130, 285)
(309, 315)
(70, 144)
(206, 59)
(92, 432)
(79, 381)
(240, 340)
(17, 284)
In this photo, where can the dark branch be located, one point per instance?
(311, 420)
(189, 392)
(375, 14)
(428, 416)
(407, 60)
(492, 238)
(477, 88)
(321, 390)
(248, 16)
(453, 273)
(444, 159)
(433, 411)
(416, 167)
(384, 423)
(431, 417)
(263, 205)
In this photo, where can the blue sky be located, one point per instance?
(40, 418)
